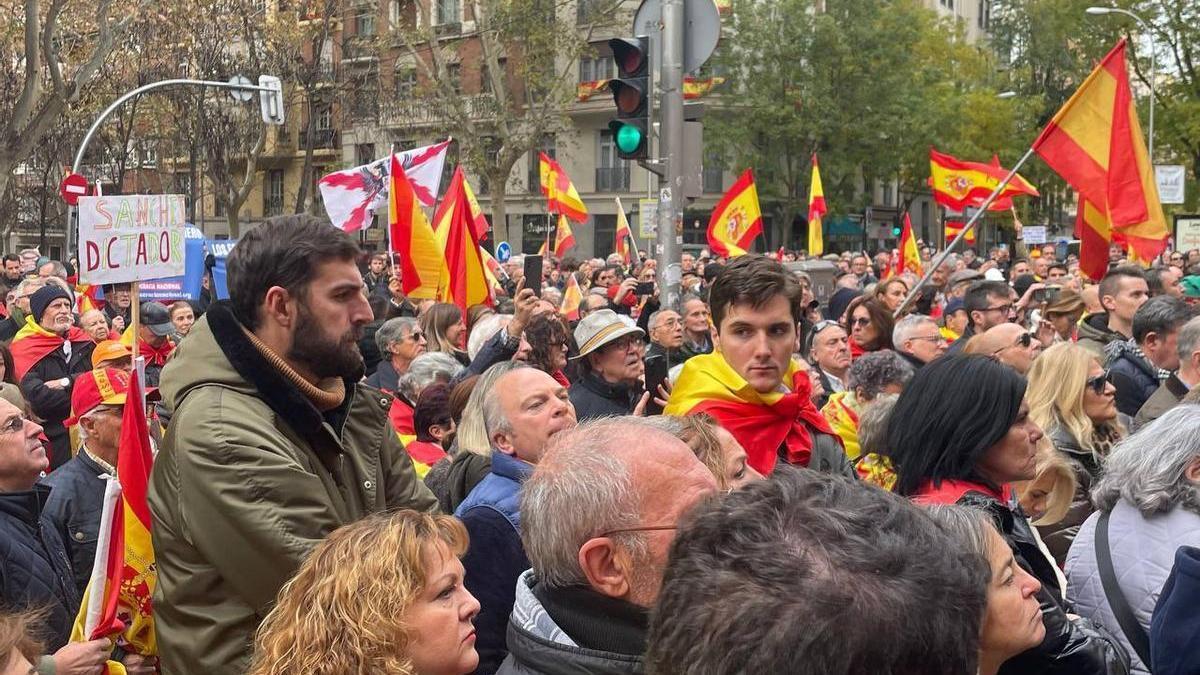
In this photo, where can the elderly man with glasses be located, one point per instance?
(611, 349)
(918, 339)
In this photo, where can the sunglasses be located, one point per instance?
(416, 336)
(1099, 382)
(860, 321)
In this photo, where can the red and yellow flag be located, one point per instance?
(456, 234)
(561, 196)
(737, 219)
(1095, 143)
(563, 237)
(624, 237)
(33, 343)
(423, 267)
(491, 269)
(909, 259)
(695, 87)
(953, 228)
(1094, 233)
(572, 299)
(127, 582)
(586, 90)
(957, 184)
(816, 209)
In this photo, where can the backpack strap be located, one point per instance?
(1130, 626)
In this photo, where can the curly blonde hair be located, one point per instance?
(1051, 462)
(344, 611)
(1057, 384)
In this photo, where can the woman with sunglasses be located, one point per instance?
(870, 326)
(1071, 397)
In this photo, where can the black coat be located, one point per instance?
(593, 397)
(74, 507)
(35, 570)
(54, 405)
(8, 328)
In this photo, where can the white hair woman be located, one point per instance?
(1147, 506)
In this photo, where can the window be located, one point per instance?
(273, 195)
(398, 12)
(612, 173)
(364, 22)
(485, 78)
(889, 194)
(985, 14)
(406, 83)
(604, 229)
(594, 69)
(364, 153)
(183, 184)
(324, 117)
(447, 11)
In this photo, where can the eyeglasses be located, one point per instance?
(1024, 340)
(823, 324)
(1099, 382)
(1002, 308)
(860, 321)
(13, 426)
(648, 528)
(626, 343)
(931, 338)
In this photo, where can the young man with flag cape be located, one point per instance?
(750, 383)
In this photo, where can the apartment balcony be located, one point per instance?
(322, 139)
(612, 179)
(416, 112)
(272, 206)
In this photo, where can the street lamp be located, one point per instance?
(1101, 11)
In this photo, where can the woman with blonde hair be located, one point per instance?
(717, 450)
(891, 292)
(381, 596)
(445, 331)
(1071, 398)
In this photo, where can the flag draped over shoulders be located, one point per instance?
(762, 423)
(33, 343)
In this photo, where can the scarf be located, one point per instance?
(156, 356)
(325, 395)
(33, 343)
(762, 423)
(1128, 348)
(856, 350)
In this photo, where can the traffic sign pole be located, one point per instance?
(670, 199)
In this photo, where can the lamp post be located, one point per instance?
(1101, 11)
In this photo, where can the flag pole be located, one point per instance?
(390, 244)
(962, 236)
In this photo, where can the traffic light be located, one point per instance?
(896, 230)
(631, 94)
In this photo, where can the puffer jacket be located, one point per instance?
(1071, 647)
(35, 571)
(538, 646)
(1176, 623)
(1143, 551)
(593, 397)
(250, 477)
(75, 505)
(1086, 467)
(1133, 376)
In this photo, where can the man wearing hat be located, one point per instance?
(48, 353)
(118, 301)
(1191, 289)
(112, 354)
(153, 341)
(954, 319)
(611, 350)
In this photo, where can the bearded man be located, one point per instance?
(273, 442)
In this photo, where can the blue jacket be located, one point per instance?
(1175, 628)
(495, 557)
(74, 507)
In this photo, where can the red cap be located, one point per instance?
(103, 386)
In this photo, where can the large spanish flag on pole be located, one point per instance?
(624, 237)
(910, 255)
(1095, 143)
(422, 266)
(563, 237)
(118, 599)
(816, 209)
(456, 233)
(737, 219)
(957, 184)
(561, 196)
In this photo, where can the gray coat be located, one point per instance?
(1143, 551)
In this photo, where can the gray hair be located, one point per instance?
(32, 283)
(970, 526)
(552, 295)
(907, 326)
(874, 371)
(872, 424)
(494, 419)
(57, 269)
(393, 330)
(1189, 339)
(425, 370)
(1162, 315)
(579, 491)
(485, 329)
(1147, 469)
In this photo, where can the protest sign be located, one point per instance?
(127, 238)
(187, 286)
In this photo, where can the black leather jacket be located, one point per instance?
(74, 507)
(35, 571)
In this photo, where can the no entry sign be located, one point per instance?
(73, 187)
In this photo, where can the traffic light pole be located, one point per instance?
(670, 196)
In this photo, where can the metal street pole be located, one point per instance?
(670, 196)
(87, 138)
(1101, 11)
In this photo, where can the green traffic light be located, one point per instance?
(629, 138)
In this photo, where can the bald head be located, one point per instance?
(1010, 344)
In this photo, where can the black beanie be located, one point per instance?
(41, 299)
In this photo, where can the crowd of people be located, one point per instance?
(998, 474)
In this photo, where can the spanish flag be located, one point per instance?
(423, 268)
(762, 423)
(694, 88)
(491, 269)
(1094, 233)
(736, 220)
(33, 343)
(1095, 143)
(953, 228)
(910, 255)
(624, 237)
(957, 184)
(842, 414)
(586, 90)
(572, 299)
(563, 237)
(816, 209)
(561, 196)
(459, 243)
(118, 599)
